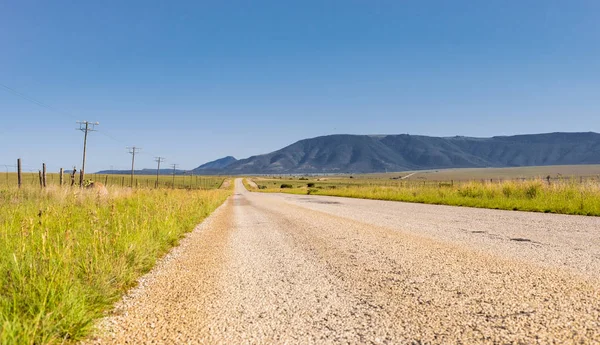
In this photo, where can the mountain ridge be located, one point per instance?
(351, 153)
(376, 153)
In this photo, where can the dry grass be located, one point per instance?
(567, 196)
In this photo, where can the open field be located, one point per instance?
(66, 255)
(140, 181)
(554, 171)
(568, 193)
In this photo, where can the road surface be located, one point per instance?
(292, 269)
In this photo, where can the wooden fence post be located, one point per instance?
(106, 180)
(44, 175)
(41, 181)
(61, 176)
(19, 172)
(122, 181)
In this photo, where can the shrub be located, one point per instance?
(311, 191)
(303, 179)
(507, 190)
(471, 192)
(285, 185)
(310, 185)
(532, 191)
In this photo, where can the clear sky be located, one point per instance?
(198, 80)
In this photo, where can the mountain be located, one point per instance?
(375, 153)
(216, 164)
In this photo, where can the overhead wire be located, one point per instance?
(57, 111)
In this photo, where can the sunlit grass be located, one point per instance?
(67, 254)
(567, 196)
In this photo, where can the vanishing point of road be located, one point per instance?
(297, 269)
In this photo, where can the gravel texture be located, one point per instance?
(281, 269)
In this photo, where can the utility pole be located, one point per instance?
(85, 127)
(19, 172)
(133, 150)
(158, 160)
(174, 167)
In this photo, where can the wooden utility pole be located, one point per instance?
(85, 127)
(174, 167)
(44, 175)
(133, 150)
(158, 160)
(73, 176)
(19, 177)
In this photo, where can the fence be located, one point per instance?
(44, 179)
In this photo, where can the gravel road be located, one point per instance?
(290, 269)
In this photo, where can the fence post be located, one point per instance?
(19, 172)
(41, 181)
(61, 176)
(44, 175)
(106, 180)
(122, 181)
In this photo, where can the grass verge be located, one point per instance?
(565, 197)
(67, 255)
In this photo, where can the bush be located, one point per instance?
(532, 191)
(311, 191)
(303, 179)
(285, 185)
(310, 185)
(262, 187)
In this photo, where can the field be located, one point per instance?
(466, 174)
(139, 181)
(67, 254)
(575, 191)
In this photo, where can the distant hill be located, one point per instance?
(216, 164)
(211, 168)
(142, 172)
(376, 153)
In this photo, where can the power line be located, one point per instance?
(32, 100)
(54, 109)
(49, 107)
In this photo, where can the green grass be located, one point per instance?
(567, 196)
(67, 255)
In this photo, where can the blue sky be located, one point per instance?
(197, 80)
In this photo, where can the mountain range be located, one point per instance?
(376, 153)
